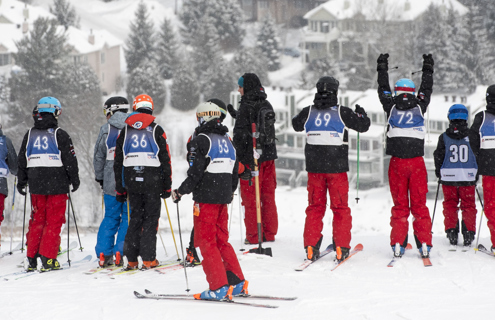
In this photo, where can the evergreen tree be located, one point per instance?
(268, 43)
(167, 50)
(185, 88)
(249, 60)
(65, 13)
(220, 82)
(146, 79)
(140, 45)
(192, 12)
(325, 67)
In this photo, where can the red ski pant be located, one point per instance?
(489, 204)
(47, 218)
(211, 234)
(269, 217)
(338, 189)
(2, 206)
(452, 195)
(409, 185)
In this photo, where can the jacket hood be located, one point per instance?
(118, 120)
(325, 100)
(45, 120)
(490, 107)
(253, 90)
(139, 120)
(405, 101)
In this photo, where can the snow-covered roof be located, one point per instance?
(79, 40)
(390, 10)
(9, 34)
(13, 11)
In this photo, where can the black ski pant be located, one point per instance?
(140, 239)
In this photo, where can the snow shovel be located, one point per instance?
(259, 250)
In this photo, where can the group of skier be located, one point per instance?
(133, 167)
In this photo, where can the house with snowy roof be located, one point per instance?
(333, 24)
(99, 49)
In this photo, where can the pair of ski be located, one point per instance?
(184, 297)
(72, 246)
(426, 261)
(328, 250)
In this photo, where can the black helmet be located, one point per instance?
(115, 104)
(327, 84)
(222, 107)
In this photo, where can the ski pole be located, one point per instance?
(12, 215)
(231, 212)
(357, 182)
(182, 248)
(172, 229)
(128, 211)
(435, 207)
(24, 221)
(68, 229)
(240, 218)
(163, 244)
(481, 218)
(75, 223)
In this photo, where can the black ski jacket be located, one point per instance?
(330, 159)
(485, 157)
(49, 180)
(216, 188)
(403, 147)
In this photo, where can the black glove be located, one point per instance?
(428, 63)
(100, 182)
(75, 186)
(21, 189)
(165, 194)
(232, 111)
(382, 62)
(121, 197)
(360, 111)
(176, 196)
(246, 174)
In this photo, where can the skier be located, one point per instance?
(47, 162)
(456, 168)
(326, 124)
(212, 178)
(405, 143)
(115, 220)
(253, 98)
(8, 163)
(192, 255)
(484, 134)
(142, 160)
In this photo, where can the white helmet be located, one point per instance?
(207, 111)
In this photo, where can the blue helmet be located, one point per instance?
(404, 85)
(458, 111)
(49, 104)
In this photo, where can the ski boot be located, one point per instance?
(48, 264)
(452, 235)
(425, 251)
(130, 265)
(398, 250)
(192, 258)
(30, 264)
(312, 253)
(222, 294)
(468, 238)
(118, 259)
(240, 289)
(150, 264)
(105, 260)
(492, 250)
(342, 253)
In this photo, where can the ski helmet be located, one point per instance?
(115, 104)
(404, 85)
(458, 111)
(143, 101)
(207, 111)
(490, 94)
(327, 84)
(50, 105)
(221, 105)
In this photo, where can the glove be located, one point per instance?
(428, 62)
(100, 182)
(360, 111)
(75, 186)
(121, 197)
(382, 62)
(246, 174)
(21, 189)
(232, 111)
(165, 194)
(176, 196)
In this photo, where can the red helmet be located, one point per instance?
(143, 101)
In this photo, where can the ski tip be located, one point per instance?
(409, 246)
(481, 247)
(137, 294)
(147, 291)
(358, 247)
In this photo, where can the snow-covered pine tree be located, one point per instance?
(140, 44)
(167, 50)
(65, 13)
(249, 60)
(146, 79)
(191, 14)
(185, 88)
(220, 82)
(268, 43)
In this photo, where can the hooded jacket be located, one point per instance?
(254, 96)
(7, 149)
(485, 157)
(104, 167)
(327, 158)
(49, 180)
(143, 179)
